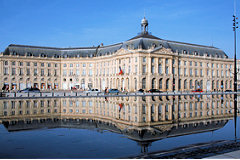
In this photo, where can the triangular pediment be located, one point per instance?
(162, 50)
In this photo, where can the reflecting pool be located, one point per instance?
(112, 127)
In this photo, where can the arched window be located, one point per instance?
(135, 80)
(190, 84)
(179, 84)
(226, 85)
(196, 84)
(217, 85)
(144, 83)
(153, 83)
(185, 84)
(201, 84)
(167, 84)
(213, 85)
(160, 83)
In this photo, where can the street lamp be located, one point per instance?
(235, 70)
(235, 49)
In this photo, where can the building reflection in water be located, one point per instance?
(142, 119)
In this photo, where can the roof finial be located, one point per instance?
(144, 25)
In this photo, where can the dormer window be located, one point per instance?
(29, 54)
(43, 55)
(131, 46)
(14, 53)
(154, 45)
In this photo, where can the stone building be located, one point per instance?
(142, 62)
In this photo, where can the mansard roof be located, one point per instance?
(143, 41)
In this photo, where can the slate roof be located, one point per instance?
(143, 41)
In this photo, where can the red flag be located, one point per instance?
(120, 72)
(120, 106)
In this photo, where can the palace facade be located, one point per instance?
(142, 62)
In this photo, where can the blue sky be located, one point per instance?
(78, 23)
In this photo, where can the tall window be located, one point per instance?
(166, 69)
(190, 84)
(64, 72)
(213, 85)
(179, 84)
(6, 71)
(167, 84)
(13, 71)
(35, 71)
(71, 72)
(196, 84)
(42, 72)
(152, 60)
(160, 68)
(135, 80)
(160, 83)
(152, 68)
(166, 61)
(144, 59)
(28, 71)
(77, 72)
(190, 72)
(144, 69)
(90, 72)
(185, 84)
(84, 72)
(144, 83)
(153, 83)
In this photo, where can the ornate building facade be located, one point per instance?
(142, 62)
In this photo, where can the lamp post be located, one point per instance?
(235, 70)
(235, 49)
